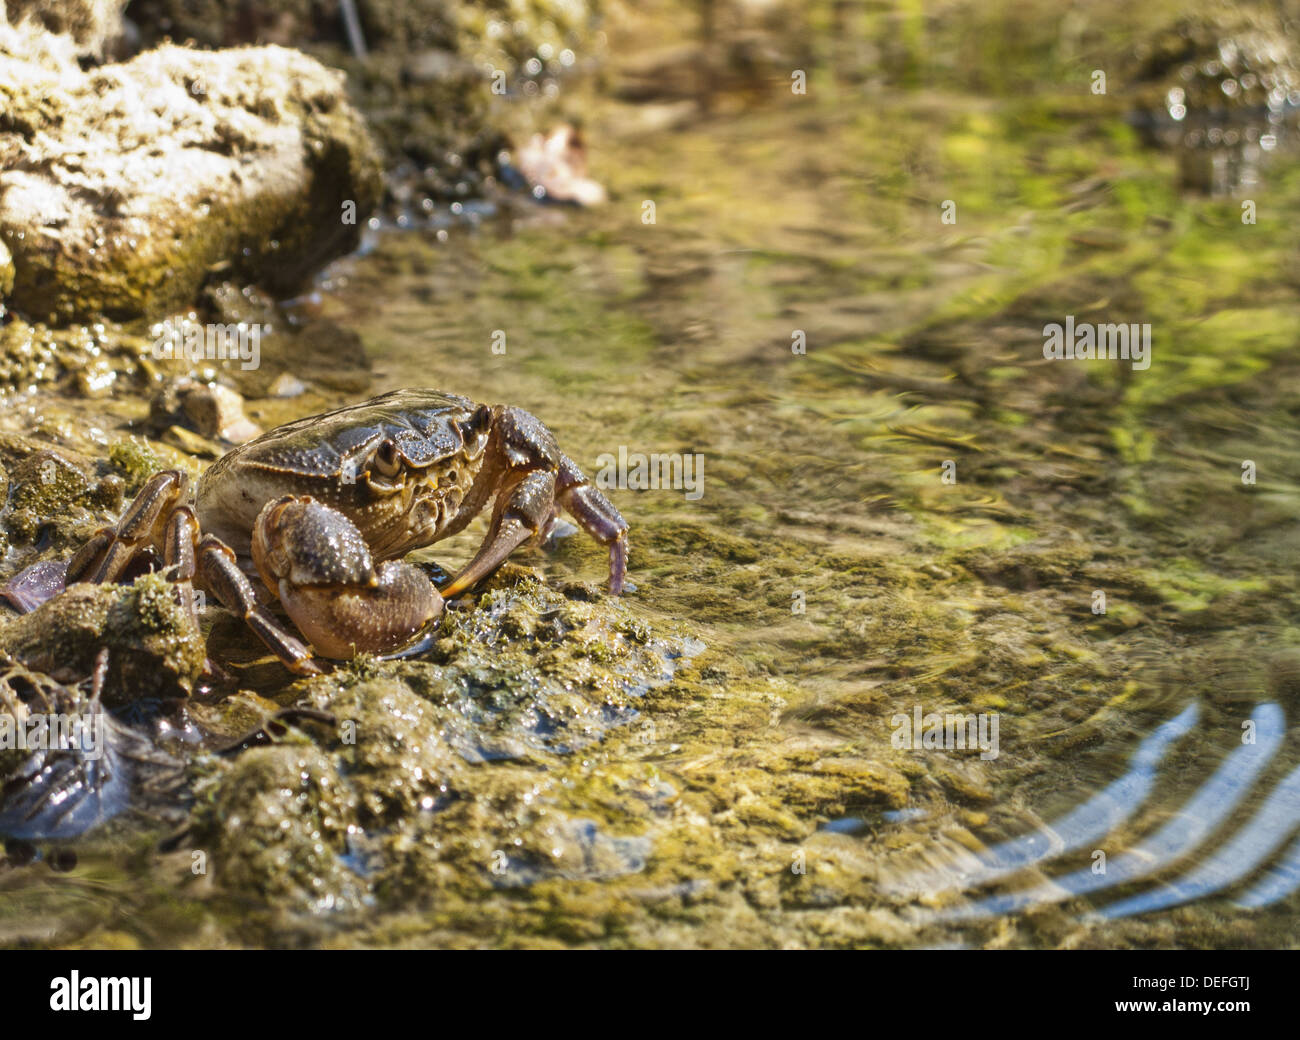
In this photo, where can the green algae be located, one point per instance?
(277, 826)
(135, 458)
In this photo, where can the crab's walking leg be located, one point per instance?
(106, 555)
(597, 516)
(153, 518)
(180, 544)
(220, 569)
(520, 513)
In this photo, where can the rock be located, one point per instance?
(556, 167)
(277, 823)
(191, 443)
(230, 304)
(221, 23)
(402, 787)
(122, 187)
(99, 357)
(93, 24)
(98, 379)
(403, 766)
(53, 489)
(1216, 60)
(425, 88)
(50, 480)
(217, 411)
(286, 385)
(210, 408)
(155, 649)
(133, 457)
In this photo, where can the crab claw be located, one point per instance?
(520, 514)
(527, 509)
(597, 516)
(315, 560)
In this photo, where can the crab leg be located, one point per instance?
(220, 569)
(597, 516)
(520, 513)
(104, 557)
(180, 541)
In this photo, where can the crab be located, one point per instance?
(321, 509)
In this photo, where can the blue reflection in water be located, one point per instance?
(1082, 826)
(1253, 844)
(1199, 816)
(1281, 880)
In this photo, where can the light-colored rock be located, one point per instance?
(555, 166)
(122, 187)
(92, 24)
(210, 408)
(426, 88)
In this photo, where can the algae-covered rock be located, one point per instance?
(442, 767)
(275, 827)
(532, 669)
(155, 649)
(50, 480)
(99, 358)
(54, 490)
(394, 750)
(121, 187)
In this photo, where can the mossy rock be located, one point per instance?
(274, 823)
(155, 650)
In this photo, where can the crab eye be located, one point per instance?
(387, 459)
(475, 427)
(476, 423)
